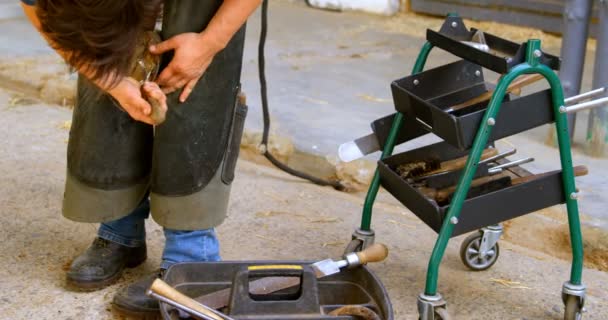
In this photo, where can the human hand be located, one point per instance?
(193, 53)
(131, 97)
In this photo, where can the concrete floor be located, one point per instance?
(342, 65)
(272, 216)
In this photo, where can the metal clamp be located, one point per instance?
(365, 236)
(490, 236)
(570, 289)
(428, 304)
(574, 290)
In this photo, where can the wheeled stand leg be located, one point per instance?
(574, 300)
(364, 236)
(432, 308)
(480, 250)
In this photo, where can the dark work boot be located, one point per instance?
(132, 300)
(102, 264)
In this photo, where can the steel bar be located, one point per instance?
(602, 102)
(499, 168)
(574, 46)
(585, 96)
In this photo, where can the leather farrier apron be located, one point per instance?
(186, 163)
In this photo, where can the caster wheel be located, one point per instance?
(573, 309)
(442, 314)
(354, 245)
(471, 257)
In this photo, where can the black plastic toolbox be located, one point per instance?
(313, 300)
(477, 212)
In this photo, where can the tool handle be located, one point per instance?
(579, 171)
(458, 163)
(161, 288)
(375, 253)
(443, 194)
(516, 84)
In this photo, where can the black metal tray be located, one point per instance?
(426, 96)
(316, 297)
(477, 212)
(502, 56)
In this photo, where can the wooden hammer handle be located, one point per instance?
(459, 163)
(161, 288)
(375, 253)
(516, 84)
(579, 171)
(443, 194)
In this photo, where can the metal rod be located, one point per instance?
(584, 96)
(499, 156)
(501, 167)
(586, 105)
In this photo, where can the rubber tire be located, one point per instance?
(573, 310)
(463, 251)
(354, 245)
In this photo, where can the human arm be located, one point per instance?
(195, 51)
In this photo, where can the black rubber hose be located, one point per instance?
(263, 92)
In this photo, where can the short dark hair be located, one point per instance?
(100, 35)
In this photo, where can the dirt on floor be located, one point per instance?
(547, 231)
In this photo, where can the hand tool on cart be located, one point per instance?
(447, 178)
(489, 184)
(517, 84)
(374, 253)
(485, 174)
(167, 294)
(368, 144)
(433, 165)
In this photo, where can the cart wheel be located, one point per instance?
(442, 314)
(573, 309)
(470, 256)
(354, 245)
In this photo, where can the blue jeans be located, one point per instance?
(180, 246)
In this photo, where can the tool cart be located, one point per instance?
(426, 102)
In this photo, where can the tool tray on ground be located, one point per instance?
(478, 211)
(501, 56)
(427, 96)
(313, 299)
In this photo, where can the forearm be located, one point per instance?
(230, 17)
